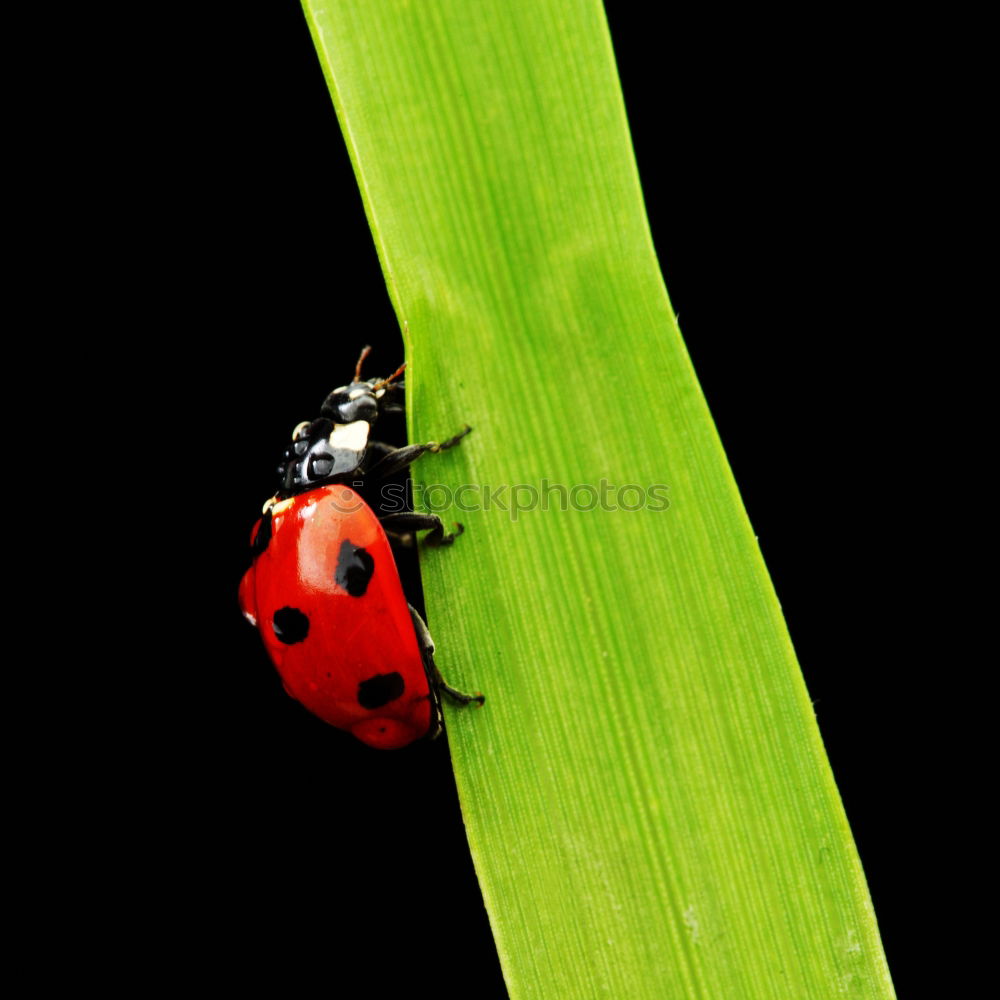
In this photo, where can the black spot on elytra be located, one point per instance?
(380, 690)
(290, 625)
(263, 536)
(354, 569)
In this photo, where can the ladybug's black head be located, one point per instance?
(356, 401)
(334, 445)
(360, 400)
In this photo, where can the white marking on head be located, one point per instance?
(351, 437)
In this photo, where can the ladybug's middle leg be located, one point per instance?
(427, 652)
(407, 522)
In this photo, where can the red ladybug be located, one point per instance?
(324, 590)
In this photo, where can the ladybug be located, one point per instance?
(323, 588)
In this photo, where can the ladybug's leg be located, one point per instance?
(398, 459)
(406, 522)
(380, 448)
(427, 651)
(392, 401)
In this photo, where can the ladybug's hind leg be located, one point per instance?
(407, 522)
(426, 644)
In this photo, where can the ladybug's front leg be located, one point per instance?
(399, 458)
(407, 522)
(379, 448)
(427, 652)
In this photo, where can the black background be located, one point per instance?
(767, 170)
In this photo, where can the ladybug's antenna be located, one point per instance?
(386, 381)
(357, 368)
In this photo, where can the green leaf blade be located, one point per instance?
(646, 794)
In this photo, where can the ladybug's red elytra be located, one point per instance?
(323, 589)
